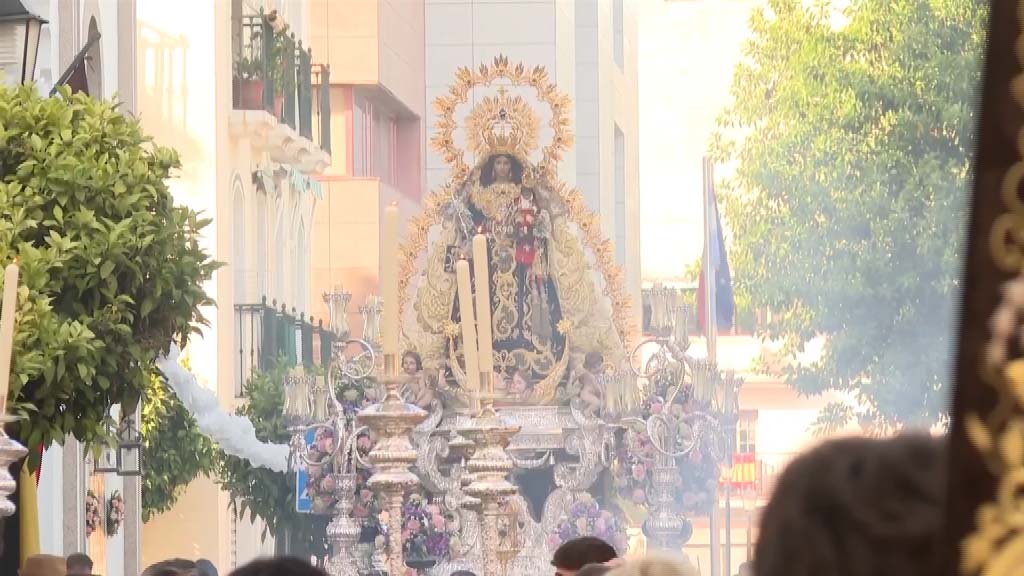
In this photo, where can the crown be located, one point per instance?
(502, 124)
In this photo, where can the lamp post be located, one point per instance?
(129, 450)
(25, 27)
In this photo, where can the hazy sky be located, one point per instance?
(687, 51)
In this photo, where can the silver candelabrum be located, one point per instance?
(337, 302)
(392, 456)
(371, 312)
(311, 404)
(10, 452)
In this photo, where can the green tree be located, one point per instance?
(851, 144)
(174, 451)
(112, 270)
(264, 493)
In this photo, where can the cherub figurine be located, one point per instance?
(416, 390)
(592, 391)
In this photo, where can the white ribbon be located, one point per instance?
(233, 433)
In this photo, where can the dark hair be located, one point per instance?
(205, 568)
(593, 358)
(463, 573)
(78, 561)
(857, 506)
(594, 570)
(415, 356)
(487, 170)
(282, 566)
(172, 567)
(579, 552)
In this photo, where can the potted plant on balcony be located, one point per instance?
(248, 74)
(283, 47)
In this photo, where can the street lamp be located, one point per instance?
(129, 450)
(16, 22)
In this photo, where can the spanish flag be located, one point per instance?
(28, 514)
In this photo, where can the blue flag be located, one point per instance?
(725, 304)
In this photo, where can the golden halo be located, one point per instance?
(502, 124)
(466, 79)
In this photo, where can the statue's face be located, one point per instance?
(409, 365)
(502, 168)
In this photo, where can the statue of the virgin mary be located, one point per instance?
(554, 291)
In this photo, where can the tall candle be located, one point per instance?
(481, 273)
(469, 340)
(7, 313)
(389, 278)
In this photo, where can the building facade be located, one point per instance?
(232, 87)
(375, 52)
(589, 48)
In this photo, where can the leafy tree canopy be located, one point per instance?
(850, 138)
(112, 270)
(174, 451)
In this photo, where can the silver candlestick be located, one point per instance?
(10, 452)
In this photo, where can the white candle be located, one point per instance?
(469, 340)
(7, 313)
(389, 278)
(481, 273)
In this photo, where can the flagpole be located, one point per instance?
(710, 340)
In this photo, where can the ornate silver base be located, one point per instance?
(10, 452)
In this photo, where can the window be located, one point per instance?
(302, 263)
(746, 432)
(618, 31)
(620, 197)
(238, 249)
(385, 130)
(261, 263)
(361, 125)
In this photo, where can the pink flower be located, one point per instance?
(433, 509)
(656, 407)
(364, 443)
(581, 526)
(553, 541)
(437, 521)
(413, 525)
(406, 534)
(360, 511)
(600, 525)
(365, 495)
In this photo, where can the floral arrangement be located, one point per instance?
(636, 455)
(115, 513)
(320, 483)
(425, 530)
(585, 518)
(93, 514)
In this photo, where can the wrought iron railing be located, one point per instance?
(274, 72)
(268, 333)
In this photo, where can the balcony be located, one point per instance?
(265, 333)
(273, 98)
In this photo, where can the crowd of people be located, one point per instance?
(851, 507)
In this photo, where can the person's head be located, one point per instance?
(594, 570)
(746, 569)
(857, 506)
(279, 566)
(172, 567)
(43, 565)
(573, 555)
(463, 573)
(654, 566)
(79, 564)
(411, 362)
(205, 568)
(501, 168)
